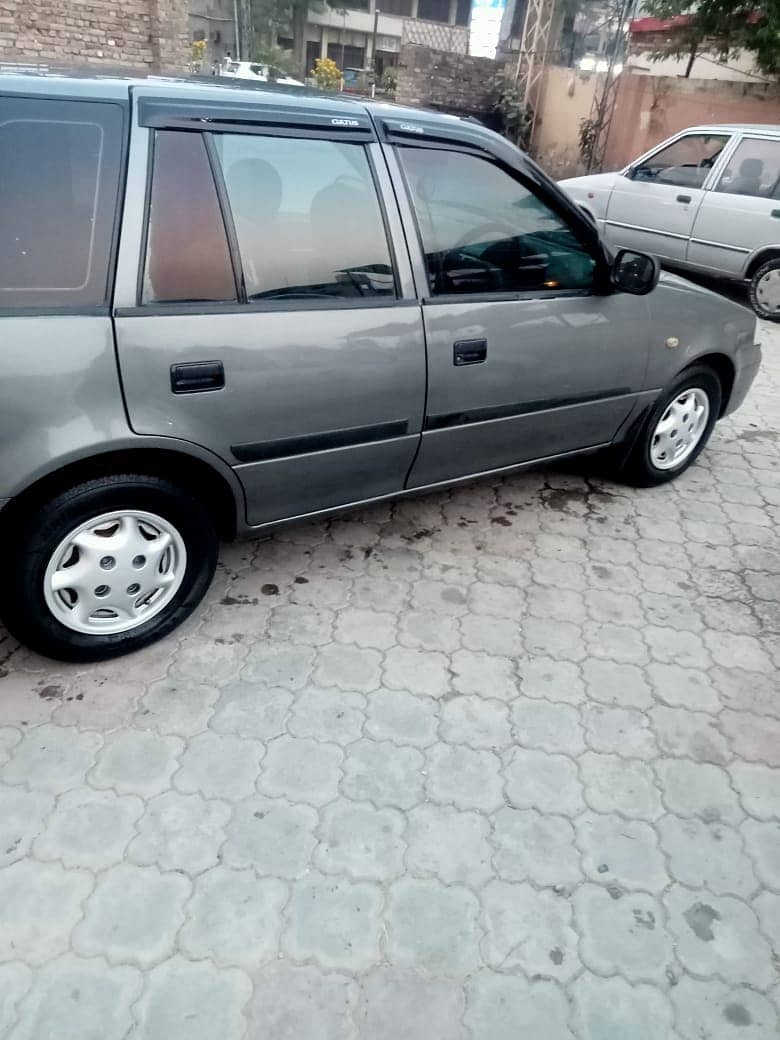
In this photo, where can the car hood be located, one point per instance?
(590, 180)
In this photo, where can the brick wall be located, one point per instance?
(148, 35)
(456, 83)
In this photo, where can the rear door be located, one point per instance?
(525, 359)
(742, 212)
(653, 206)
(266, 314)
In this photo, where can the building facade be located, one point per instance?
(213, 22)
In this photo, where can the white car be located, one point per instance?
(258, 72)
(707, 199)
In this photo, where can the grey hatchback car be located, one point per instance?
(223, 309)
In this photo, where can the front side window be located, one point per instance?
(59, 175)
(685, 163)
(754, 169)
(307, 218)
(483, 231)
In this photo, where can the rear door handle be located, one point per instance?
(775, 213)
(683, 198)
(194, 377)
(469, 352)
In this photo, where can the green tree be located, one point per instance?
(723, 27)
(272, 17)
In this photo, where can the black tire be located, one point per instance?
(754, 292)
(37, 535)
(639, 469)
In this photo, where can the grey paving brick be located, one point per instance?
(234, 918)
(683, 687)
(622, 933)
(611, 1009)
(624, 685)
(89, 828)
(464, 777)
(366, 627)
(361, 841)
(753, 737)
(300, 623)
(483, 674)
(723, 1012)
(536, 846)
(133, 915)
(620, 852)
(563, 639)
(137, 762)
(348, 667)
(22, 813)
(707, 855)
(15, 980)
(383, 773)
(397, 1003)
(40, 904)
(334, 921)
(73, 998)
(448, 844)
(477, 721)
(221, 662)
(529, 930)
(718, 935)
(178, 708)
(549, 726)
(553, 680)
(328, 715)
(401, 717)
(303, 1003)
(418, 671)
(619, 731)
(689, 734)
(424, 630)
(484, 633)
(191, 1001)
(766, 906)
(762, 843)
(733, 650)
(219, 766)
(621, 785)
(9, 738)
(759, 789)
(180, 832)
(503, 1007)
(539, 780)
(52, 758)
(697, 789)
(250, 710)
(271, 835)
(432, 927)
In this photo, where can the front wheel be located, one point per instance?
(677, 428)
(107, 567)
(764, 291)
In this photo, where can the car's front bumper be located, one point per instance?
(750, 362)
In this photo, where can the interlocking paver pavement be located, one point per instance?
(502, 761)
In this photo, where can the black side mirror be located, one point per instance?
(635, 273)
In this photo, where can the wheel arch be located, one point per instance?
(187, 471)
(724, 369)
(761, 257)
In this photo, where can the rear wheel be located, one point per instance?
(764, 291)
(107, 567)
(677, 428)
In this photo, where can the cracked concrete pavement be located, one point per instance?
(502, 761)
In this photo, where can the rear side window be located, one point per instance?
(754, 169)
(60, 165)
(307, 218)
(187, 255)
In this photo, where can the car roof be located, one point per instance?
(733, 128)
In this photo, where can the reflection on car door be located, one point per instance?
(524, 361)
(742, 213)
(277, 337)
(653, 206)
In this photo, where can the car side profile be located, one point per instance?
(225, 309)
(706, 200)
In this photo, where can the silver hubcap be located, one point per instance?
(115, 572)
(679, 429)
(768, 290)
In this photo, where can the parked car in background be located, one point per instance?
(258, 72)
(226, 309)
(707, 200)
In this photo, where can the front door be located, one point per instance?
(271, 326)
(742, 213)
(653, 206)
(525, 361)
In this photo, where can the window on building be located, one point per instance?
(187, 257)
(399, 7)
(59, 173)
(686, 162)
(313, 50)
(307, 218)
(346, 55)
(434, 10)
(463, 12)
(754, 169)
(482, 231)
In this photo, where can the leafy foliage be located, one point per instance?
(515, 117)
(327, 74)
(724, 27)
